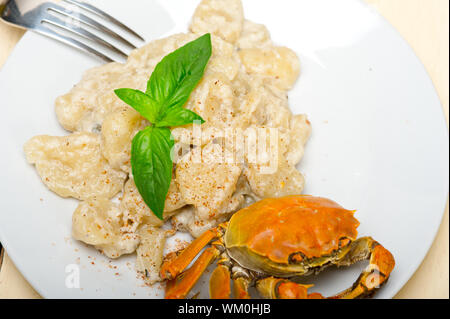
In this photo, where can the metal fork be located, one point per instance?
(72, 22)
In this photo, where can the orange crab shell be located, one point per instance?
(284, 227)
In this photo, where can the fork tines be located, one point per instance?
(104, 15)
(76, 23)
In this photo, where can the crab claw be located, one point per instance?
(371, 279)
(381, 264)
(277, 288)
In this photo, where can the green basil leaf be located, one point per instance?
(152, 166)
(141, 102)
(177, 116)
(168, 89)
(178, 73)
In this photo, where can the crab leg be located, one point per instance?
(240, 288)
(179, 287)
(381, 264)
(219, 283)
(170, 269)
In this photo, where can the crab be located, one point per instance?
(272, 243)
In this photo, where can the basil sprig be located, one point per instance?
(168, 90)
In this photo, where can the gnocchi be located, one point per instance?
(137, 212)
(118, 130)
(73, 166)
(280, 65)
(150, 252)
(98, 222)
(205, 181)
(223, 18)
(243, 91)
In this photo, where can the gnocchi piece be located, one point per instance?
(242, 197)
(274, 110)
(248, 91)
(254, 36)
(279, 65)
(299, 134)
(223, 18)
(73, 166)
(74, 110)
(205, 180)
(148, 56)
(97, 222)
(118, 131)
(224, 59)
(223, 104)
(107, 102)
(137, 212)
(264, 144)
(213, 100)
(287, 180)
(228, 66)
(150, 252)
(187, 220)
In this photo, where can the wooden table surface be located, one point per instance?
(425, 25)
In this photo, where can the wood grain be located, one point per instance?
(9, 37)
(425, 25)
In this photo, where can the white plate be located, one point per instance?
(379, 142)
